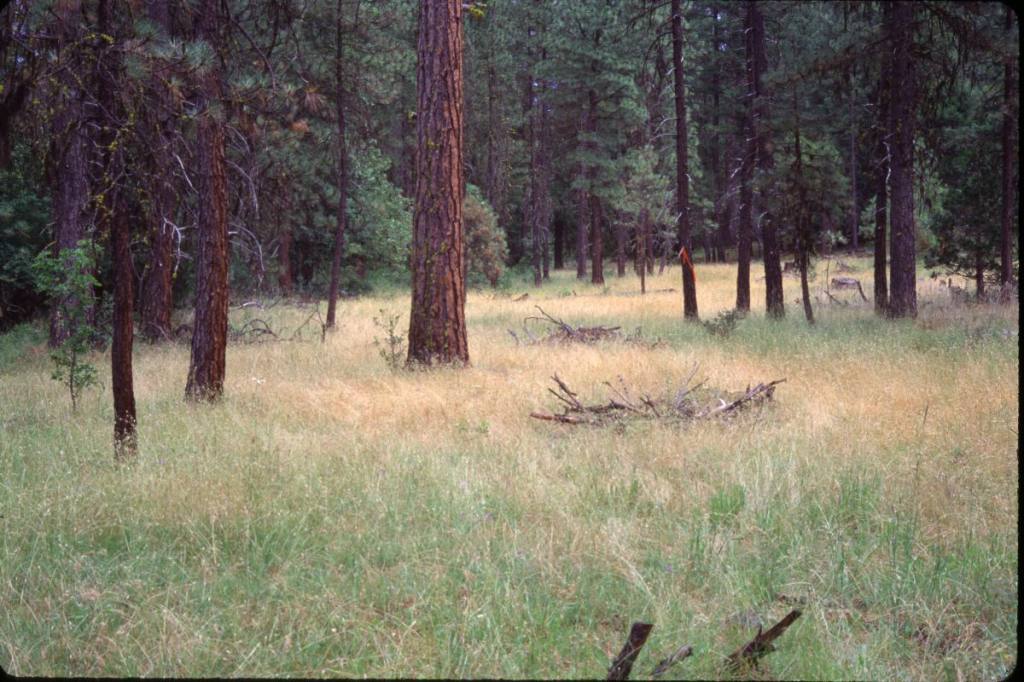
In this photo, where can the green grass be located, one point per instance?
(331, 517)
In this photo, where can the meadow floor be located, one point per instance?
(333, 517)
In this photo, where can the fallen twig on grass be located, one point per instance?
(684, 404)
(762, 642)
(564, 332)
(679, 654)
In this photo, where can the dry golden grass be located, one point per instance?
(440, 531)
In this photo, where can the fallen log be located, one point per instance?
(679, 654)
(749, 653)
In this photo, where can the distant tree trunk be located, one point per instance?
(559, 246)
(1009, 100)
(437, 326)
(582, 225)
(70, 181)
(621, 237)
(682, 163)
(803, 240)
(284, 255)
(979, 277)
(531, 206)
(745, 226)
(903, 272)
(854, 212)
(342, 217)
(210, 330)
(642, 247)
(495, 188)
(596, 241)
(112, 212)
(775, 306)
(881, 198)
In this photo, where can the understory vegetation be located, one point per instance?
(330, 516)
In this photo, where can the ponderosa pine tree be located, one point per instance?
(682, 166)
(903, 262)
(437, 326)
(210, 329)
(343, 179)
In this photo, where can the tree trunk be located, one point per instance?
(621, 237)
(342, 217)
(582, 225)
(1009, 100)
(775, 306)
(645, 228)
(70, 182)
(284, 278)
(854, 213)
(979, 278)
(881, 198)
(745, 226)
(596, 241)
(682, 163)
(559, 245)
(210, 329)
(903, 271)
(112, 212)
(803, 236)
(437, 326)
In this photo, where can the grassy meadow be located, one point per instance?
(332, 517)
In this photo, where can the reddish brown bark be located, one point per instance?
(437, 326)
(342, 217)
(596, 241)
(210, 328)
(112, 212)
(682, 162)
(903, 263)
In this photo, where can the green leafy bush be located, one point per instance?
(486, 249)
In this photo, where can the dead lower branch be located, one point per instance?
(762, 643)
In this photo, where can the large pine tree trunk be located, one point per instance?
(903, 270)
(437, 327)
(682, 164)
(1009, 101)
(210, 329)
(342, 217)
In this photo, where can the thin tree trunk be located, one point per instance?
(854, 212)
(803, 241)
(582, 225)
(881, 199)
(775, 306)
(285, 279)
(903, 263)
(745, 226)
(559, 245)
(342, 217)
(209, 335)
(113, 216)
(621, 237)
(1006, 246)
(979, 278)
(682, 163)
(437, 325)
(645, 223)
(596, 241)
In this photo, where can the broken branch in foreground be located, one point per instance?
(762, 642)
(688, 403)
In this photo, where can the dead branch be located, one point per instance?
(623, 663)
(762, 642)
(679, 654)
(678, 405)
(252, 331)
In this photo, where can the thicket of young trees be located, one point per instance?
(212, 148)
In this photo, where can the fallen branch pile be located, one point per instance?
(564, 332)
(686, 404)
